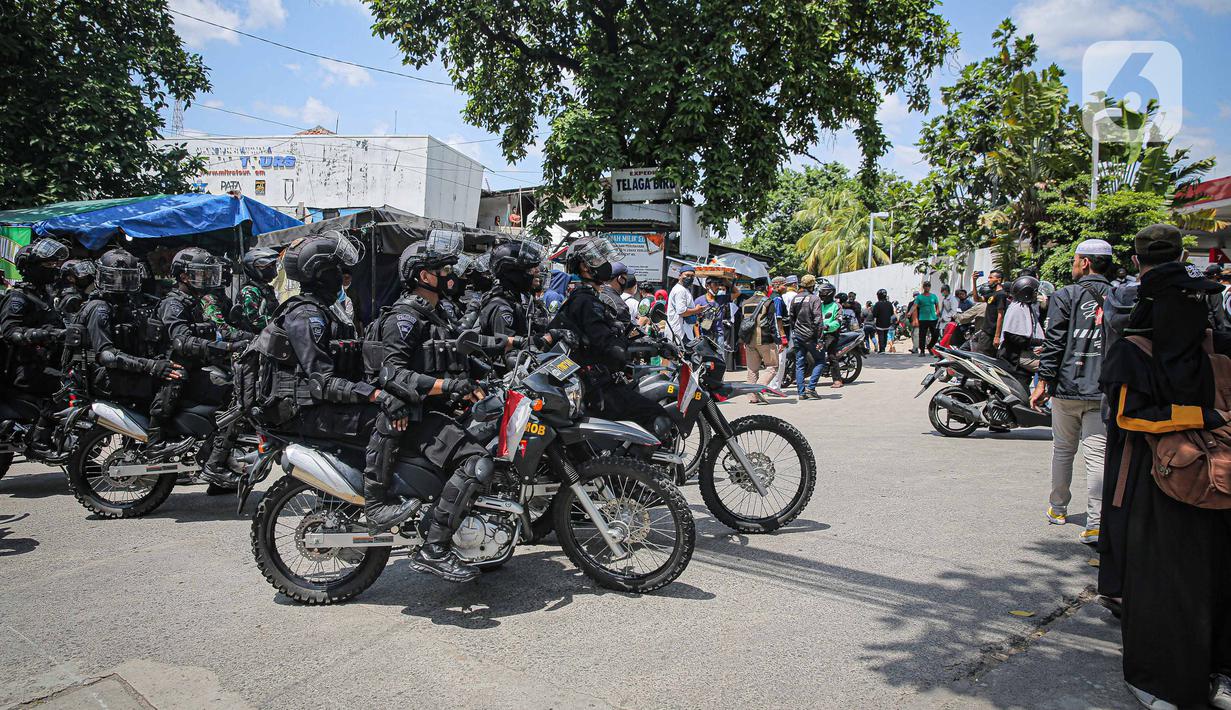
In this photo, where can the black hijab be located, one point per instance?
(1172, 311)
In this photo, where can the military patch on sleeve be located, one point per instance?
(15, 305)
(507, 317)
(405, 323)
(317, 325)
(174, 309)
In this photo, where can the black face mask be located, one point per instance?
(456, 287)
(601, 273)
(329, 283)
(688, 281)
(439, 288)
(518, 281)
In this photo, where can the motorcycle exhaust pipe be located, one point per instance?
(969, 412)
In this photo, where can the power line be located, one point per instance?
(312, 54)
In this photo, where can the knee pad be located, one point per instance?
(382, 452)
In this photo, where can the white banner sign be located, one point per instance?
(641, 253)
(641, 185)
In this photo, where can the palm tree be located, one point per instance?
(837, 236)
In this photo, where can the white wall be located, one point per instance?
(418, 174)
(900, 280)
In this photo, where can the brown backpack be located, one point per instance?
(1194, 466)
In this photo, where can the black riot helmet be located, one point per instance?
(511, 263)
(882, 295)
(39, 261)
(118, 272)
(316, 262)
(1025, 289)
(440, 249)
(825, 290)
(596, 253)
(81, 271)
(204, 270)
(984, 290)
(260, 264)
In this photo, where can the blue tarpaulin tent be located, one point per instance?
(167, 216)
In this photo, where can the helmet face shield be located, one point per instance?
(49, 250)
(595, 251)
(347, 252)
(464, 262)
(116, 279)
(204, 275)
(444, 243)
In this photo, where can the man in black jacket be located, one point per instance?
(1069, 370)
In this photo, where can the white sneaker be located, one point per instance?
(1150, 701)
(1220, 692)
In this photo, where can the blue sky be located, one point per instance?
(255, 78)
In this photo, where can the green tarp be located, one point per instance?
(33, 215)
(15, 224)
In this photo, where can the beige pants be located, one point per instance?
(761, 356)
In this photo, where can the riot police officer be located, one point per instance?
(453, 299)
(30, 327)
(256, 301)
(113, 328)
(191, 338)
(603, 331)
(410, 350)
(76, 281)
(506, 308)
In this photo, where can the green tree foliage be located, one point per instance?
(82, 83)
(1116, 218)
(1147, 164)
(774, 233)
(720, 94)
(837, 236)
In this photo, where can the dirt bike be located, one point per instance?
(619, 519)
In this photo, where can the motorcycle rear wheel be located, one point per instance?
(850, 367)
(130, 497)
(944, 421)
(291, 498)
(727, 494)
(648, 511)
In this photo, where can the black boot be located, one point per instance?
(439, 560)
(157, 448)
(382, 515)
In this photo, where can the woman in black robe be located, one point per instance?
(1174, 560)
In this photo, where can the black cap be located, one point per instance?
(1159, 241)
(1176, 275)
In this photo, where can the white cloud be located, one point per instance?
(1064, 28)
(197, 34)
(465, 146)
(314, 112)
(893, 110)
(212, 103)
(907, 161)
(337, 73)
(265, 13)
(256, 14)
(292, 67)
(380, 128)
(1224, 109)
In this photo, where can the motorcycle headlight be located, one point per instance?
(574, 395)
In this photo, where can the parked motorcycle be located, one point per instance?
(848, 359)
(110, 473)
(982, 391)
(756, 473)
(618, 518)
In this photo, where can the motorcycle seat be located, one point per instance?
(988, 360)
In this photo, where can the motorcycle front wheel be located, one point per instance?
(642, 509)
(782, 460)
(945, 421)
(288, 511)
(692, 449)
(94, 484)
(850, 366)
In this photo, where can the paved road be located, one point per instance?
(894, 588)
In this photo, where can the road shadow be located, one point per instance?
(35, 485)
(541, 581)
(944, 630)
(1040, 434)
(191, 504)
(896, 362)
(12, 546)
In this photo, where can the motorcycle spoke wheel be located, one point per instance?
(101, 458)
(645, 513)
(93, 479)
(288, 512)
(783, 462)
(691, 449)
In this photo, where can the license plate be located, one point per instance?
(561, 368)
(927, 382)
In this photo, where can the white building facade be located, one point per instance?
(325, 172)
